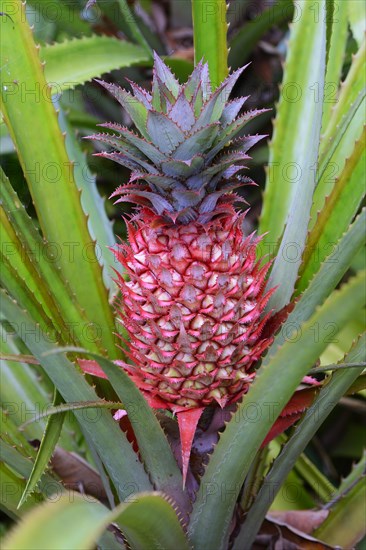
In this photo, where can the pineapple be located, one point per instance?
(193, 305)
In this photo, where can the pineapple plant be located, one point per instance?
(194, 303)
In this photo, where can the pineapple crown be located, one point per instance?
(186, 161)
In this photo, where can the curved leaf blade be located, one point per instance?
(147, 522)
(357, 19)
(45, 451)
(344, 129)
(338, 41)
(153, 445)
(325, 281)
(48, 170)
(99, 226)
(111, 444)
(314, 417)
(32, 265)
(79, 60)
(339, 210)
(345, 524)
(294, 148)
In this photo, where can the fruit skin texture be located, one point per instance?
(193, 310)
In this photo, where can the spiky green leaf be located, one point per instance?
(110, 443)
(314, 417)
(48, 170)
(148, 521)
(286, 209)
(76, 61)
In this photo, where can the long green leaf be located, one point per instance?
(14, 251)
(274, 385)
(345, 524)
(17, 286)
(25, 103)
(76, 61)
(342, 131)
(153, 445)
(122, 464)
(358, 470)
(357, 19)
(11, 434)
(32, 266)
(294, 151)
(147, 522)
(22, 465)
(351, 88)
(69, 22)
(312, 420)
(11, 487)
(25, 394)
(324, 282)
(21, 389)
(209, 34)
(65, 407)
(46, 450)
(314, 478)
(100, 228)
(338, 42)
(338, 212)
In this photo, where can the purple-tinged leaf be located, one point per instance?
(197, 101)
(159, 203)
(183, 169)
(205, 83)
(136, 110)
(164, 132)
(193, 81)
(232, 171)
(185, 198)
(204, 177)
(244, 143)
(224, 161)
(162, 181)
(197, 143)
(156, 99)
(144, 146)
(231, 110)
(214, 107)
(167, 99)
(185, 216)
(166, 76)
(140, 94)
(232, 130)
(128, 161)
(209, 202)
(117, 143)
(182, 113)
(113, 126)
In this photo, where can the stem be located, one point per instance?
(209, 34)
